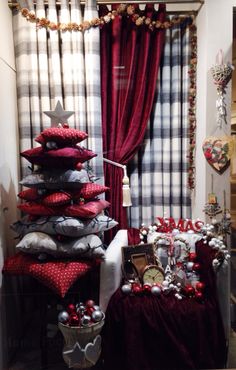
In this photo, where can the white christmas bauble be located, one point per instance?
(190, 266)
(165, 283)
(156, 290)
(175, 232)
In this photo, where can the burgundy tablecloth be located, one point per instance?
(151, 333)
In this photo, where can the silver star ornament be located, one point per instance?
(58, 115)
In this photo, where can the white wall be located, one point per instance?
(215, 27)
(8, 157)
(215, 32)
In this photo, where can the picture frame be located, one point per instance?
(140, 255)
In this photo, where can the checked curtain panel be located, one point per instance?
(54, 66)
(159, 171)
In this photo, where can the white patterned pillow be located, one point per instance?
(67, 226)
(89, 246)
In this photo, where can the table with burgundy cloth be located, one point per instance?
(146, 332)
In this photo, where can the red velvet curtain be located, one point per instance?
(130, 59)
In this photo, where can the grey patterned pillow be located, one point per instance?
(56, 179)
(89, 246)
(67, 226)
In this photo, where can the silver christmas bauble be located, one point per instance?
(63, 317)
(51, 145)
(85, 320)
(126, 288)
(96, 308)
(156, 290)
(97, 316)
(80, 309)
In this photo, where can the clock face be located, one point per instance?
(153, 274)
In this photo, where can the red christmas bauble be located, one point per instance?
(74, 320)
(79, 166)
(196, 266)
(89, 303)
(200, 286)
(199, 295)
(71, 308)
(137, 288)
(192, 256)
(89, 311)
(190, 291)
(146, 288)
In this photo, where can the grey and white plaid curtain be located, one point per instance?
(159, 171)
(54, 66)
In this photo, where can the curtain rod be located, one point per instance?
(13, 4)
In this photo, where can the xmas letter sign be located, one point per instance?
(167, 225)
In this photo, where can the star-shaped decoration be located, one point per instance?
(58, 115)
(75, 355)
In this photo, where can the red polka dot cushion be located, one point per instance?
(57, 276)
(63, 136)
(91, 190)
(59, 158)
(87, 210)
(18, 264)
(57, 199)
(88, 191)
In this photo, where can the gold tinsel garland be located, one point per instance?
(192, 106)
(136, 15)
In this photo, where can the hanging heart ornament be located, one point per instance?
(217, 151)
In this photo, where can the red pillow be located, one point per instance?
(30, 194)
(56, 199)
(91, 190)
(87, 210)
(59, 158)
(58, 276)
(17, 264)
(36, 209)
(63, 136)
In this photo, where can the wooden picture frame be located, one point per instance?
(140, 255)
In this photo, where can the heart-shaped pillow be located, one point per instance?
(93, 350)
(57, 276)
(217, 151)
